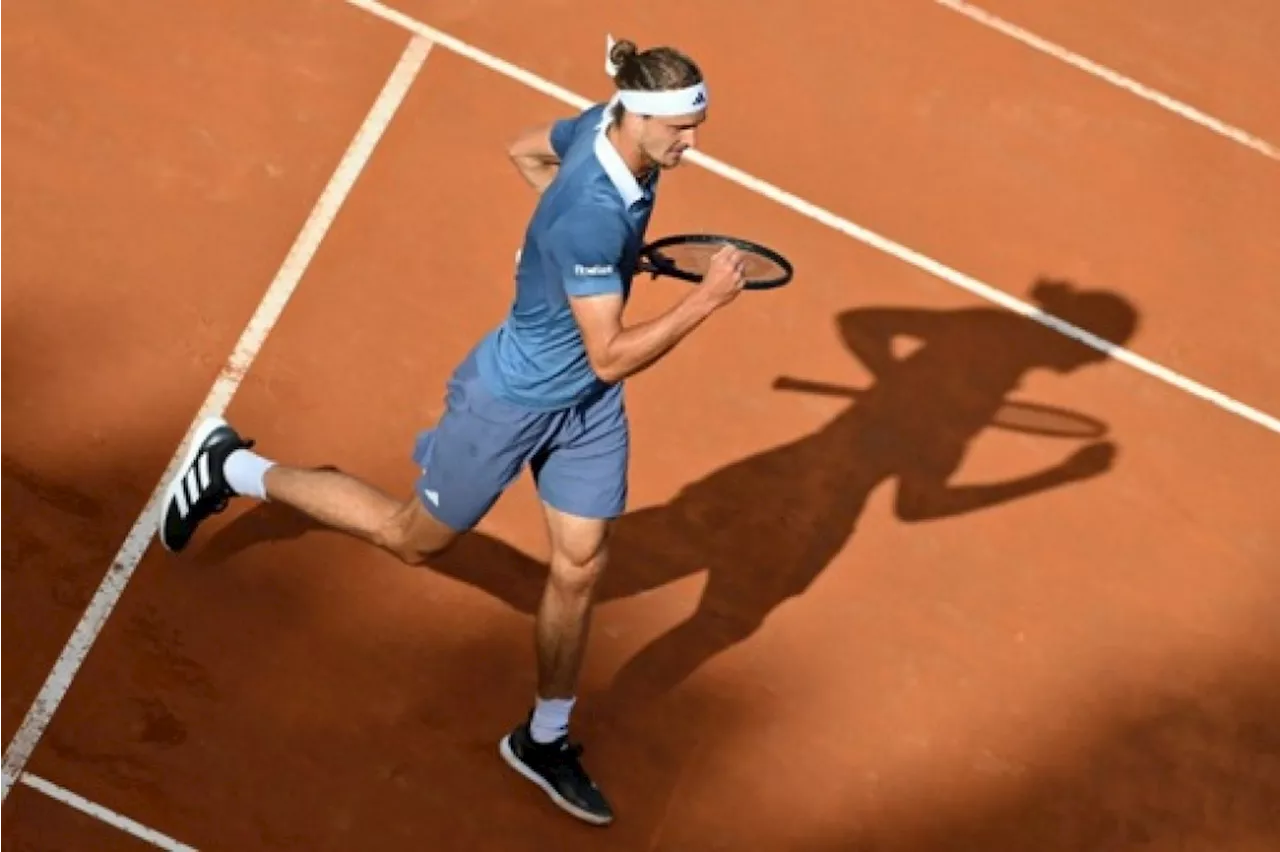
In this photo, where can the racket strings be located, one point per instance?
(696, 258)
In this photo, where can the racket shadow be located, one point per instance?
(911, 426)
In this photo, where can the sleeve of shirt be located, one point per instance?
(564, 130)
(584, 250)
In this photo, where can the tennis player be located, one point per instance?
(544, 388)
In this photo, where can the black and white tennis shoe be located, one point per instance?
(199, 487)
(556, 767)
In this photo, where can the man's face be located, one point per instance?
(664, 139)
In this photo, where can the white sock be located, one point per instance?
(550, 719)
(246, 473)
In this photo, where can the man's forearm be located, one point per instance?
(637, 347)
(537, 171)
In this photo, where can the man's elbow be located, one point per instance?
(607, 368)
(525, 150)
(608, 372)
(518, 150)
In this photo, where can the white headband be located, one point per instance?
(667, 102)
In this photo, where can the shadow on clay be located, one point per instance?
(1187, 757)
(765, 527)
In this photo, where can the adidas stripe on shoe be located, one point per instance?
(199, 489)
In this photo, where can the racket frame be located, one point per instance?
(1082, 426)
(647, 261)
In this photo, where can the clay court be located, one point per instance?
(909, 566)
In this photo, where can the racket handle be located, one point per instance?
(824, 388)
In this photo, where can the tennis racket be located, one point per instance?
(1032, 418)
(688, 256)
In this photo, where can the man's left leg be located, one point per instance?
(540, 748)
(583, 483)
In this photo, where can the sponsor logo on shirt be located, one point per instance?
(584, 271)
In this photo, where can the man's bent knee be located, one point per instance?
(414, 536)
(577, 574)
(579, 551)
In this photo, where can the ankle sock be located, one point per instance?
(246, 473)
(550, 719)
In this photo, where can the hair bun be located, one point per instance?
(1052, 293)
(622, 52)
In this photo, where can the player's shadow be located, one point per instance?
(765, 527)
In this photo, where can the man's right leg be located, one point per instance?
(222, 465)
(341, 501)
(467, 460)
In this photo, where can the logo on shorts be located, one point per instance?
(583, 271)
(433, 496)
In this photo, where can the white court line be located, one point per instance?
(229, 378)
(475, 54)
(110, 817)
(844, 226)
(1115, 78)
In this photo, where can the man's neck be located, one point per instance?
(636, 162)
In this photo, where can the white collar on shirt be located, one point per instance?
(626, 183)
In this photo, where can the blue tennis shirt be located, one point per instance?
(583, 239)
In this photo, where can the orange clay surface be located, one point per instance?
(872, 622)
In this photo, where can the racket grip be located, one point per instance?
(805, 385)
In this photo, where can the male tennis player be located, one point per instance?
(543, 389)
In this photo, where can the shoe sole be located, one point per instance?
(202, 433)
(518, 765)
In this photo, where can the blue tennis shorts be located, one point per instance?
(578, 455)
